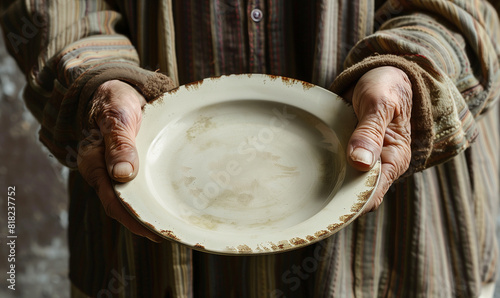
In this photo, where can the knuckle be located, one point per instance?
(385, 103)
(371, 130)
(379, 100)
(116, 123)
(120, 144)
(109, 121)
(404, 95)
(403, 166)
(385, 109)
(395, 168)
(379, 110)
(404, 91)
(391, 172)
(404, 155)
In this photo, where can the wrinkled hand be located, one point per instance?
(382, 101)
(110, 153)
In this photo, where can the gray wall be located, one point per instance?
(41, 256)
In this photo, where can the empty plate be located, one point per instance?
(246, 164)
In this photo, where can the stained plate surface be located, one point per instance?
(246, 164)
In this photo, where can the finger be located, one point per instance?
(119, 130)
(388, 174)
(92, 166)
(119, 120)
(367, 140)
(115, 209)
(395, 157)
(379, 97)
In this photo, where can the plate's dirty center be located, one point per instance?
(245, 166)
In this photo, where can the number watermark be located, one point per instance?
(11, 237)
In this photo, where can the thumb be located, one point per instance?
(382, 101)
(376, 100)
(367, 140)
(119, 120)
(121, 154)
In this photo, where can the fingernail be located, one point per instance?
(123, 170)
(362, 155)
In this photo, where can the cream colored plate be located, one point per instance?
(246, 164)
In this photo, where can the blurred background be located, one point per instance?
(41, 197)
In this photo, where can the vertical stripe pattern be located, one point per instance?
(432, 237)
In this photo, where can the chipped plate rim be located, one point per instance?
(356, 190)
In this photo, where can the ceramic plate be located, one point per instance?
(246, 164)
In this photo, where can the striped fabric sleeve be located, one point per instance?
(451, 50)
(66, 49)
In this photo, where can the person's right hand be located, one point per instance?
(110, 153)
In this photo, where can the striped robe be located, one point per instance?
(433, 236)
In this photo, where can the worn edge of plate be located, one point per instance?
(371, 181)
(356, 210)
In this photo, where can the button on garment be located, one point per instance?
(256, 25)
(215, 37)
(256, 15)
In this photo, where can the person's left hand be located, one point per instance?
(382, 101)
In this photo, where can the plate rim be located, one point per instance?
(371, 180)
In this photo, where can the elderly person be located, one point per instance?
(423, 79)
